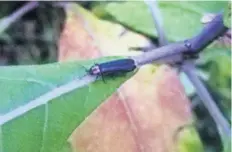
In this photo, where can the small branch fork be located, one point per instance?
(185, 52)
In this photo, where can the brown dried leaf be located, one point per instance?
(145, 112)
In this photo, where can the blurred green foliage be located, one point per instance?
(190, 141)
(181, 19)
(217, 65)
(227, 15)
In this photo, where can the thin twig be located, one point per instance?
(6, 22)
(160, 53)
(156, 14)
(223, 126)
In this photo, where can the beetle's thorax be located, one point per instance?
(95, 70)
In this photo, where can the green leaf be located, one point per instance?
(181, 19)
(41, 105)
(227, 15)
(227, 144)
(216, 61)
(189, 141)
(66, 148)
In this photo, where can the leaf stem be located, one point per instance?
(222, 124)
(157, 18)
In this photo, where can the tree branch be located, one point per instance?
(193, 45)
(160, 54)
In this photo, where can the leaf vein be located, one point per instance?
(44, 127)
(41, 100)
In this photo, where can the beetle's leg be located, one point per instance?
(96, 77)
(103, 78)
(142, 49)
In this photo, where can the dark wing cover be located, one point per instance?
(117, 66)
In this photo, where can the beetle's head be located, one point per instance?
(95, 70)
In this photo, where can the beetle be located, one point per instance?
(112, 68)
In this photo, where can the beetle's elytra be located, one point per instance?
(113, 67)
